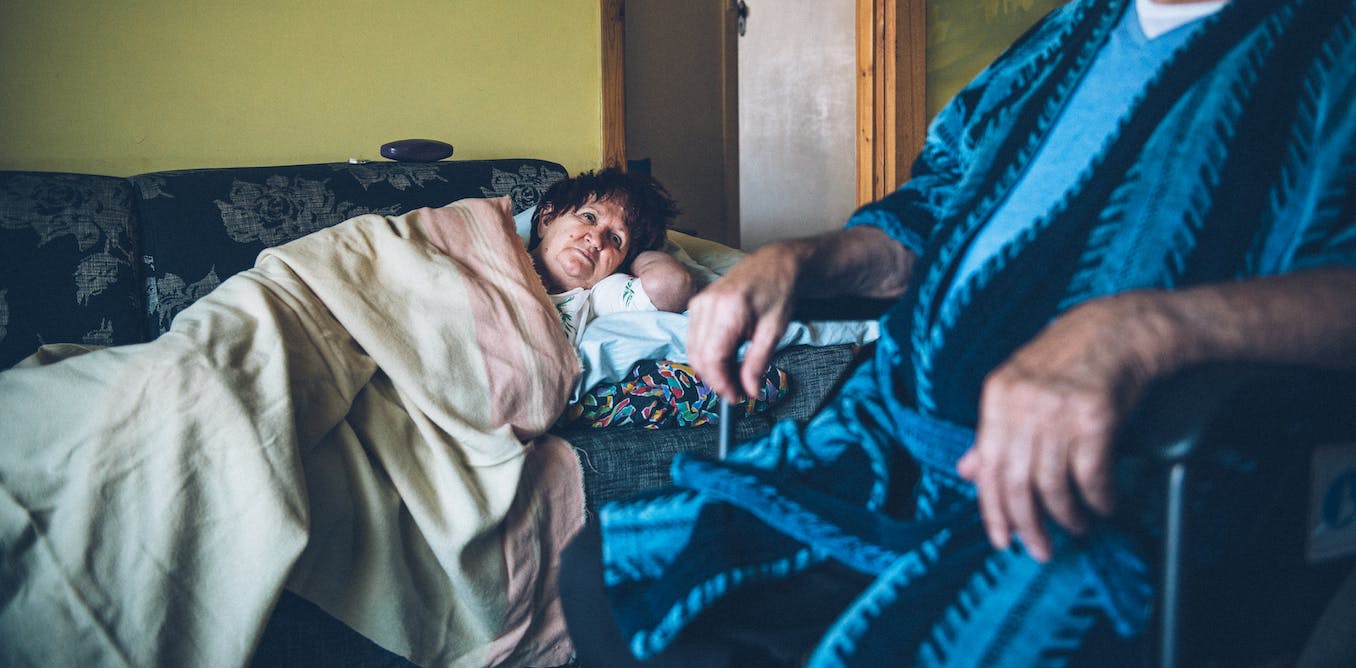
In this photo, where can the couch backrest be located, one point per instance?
(105, 260)
(69, 262)
(200, 226)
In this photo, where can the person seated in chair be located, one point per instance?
(1133, 187)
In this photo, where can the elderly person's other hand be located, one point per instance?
(1048, 414)
(1047, 417)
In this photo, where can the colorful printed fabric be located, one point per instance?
(660, 394)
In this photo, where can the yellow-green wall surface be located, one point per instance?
(966, 35)
(121, 87)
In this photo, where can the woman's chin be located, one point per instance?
(575, 276)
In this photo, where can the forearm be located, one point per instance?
(1303, 318)
(859, 261)
(667, 283)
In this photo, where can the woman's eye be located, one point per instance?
(616, 239)
(590, 217)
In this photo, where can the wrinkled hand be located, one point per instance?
(1047, 417)
(751, 302)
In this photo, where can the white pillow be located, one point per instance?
(523, 221)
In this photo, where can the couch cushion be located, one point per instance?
(200, 226)
(68, 262)
(621, 461)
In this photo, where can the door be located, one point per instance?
(777, 133)
(797, 119)
(678, 106)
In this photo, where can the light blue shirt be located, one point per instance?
(1122, 70)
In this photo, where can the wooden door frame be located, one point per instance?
(891, 93)
(891, 90)
(613, 112)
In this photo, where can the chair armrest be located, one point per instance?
(1239, 403)
(1277, 414)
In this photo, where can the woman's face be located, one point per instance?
(581, 247)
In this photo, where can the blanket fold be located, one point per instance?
(359, 418)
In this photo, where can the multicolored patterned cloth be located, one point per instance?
(660, 394)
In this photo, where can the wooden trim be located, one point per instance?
(613, 112)
(911, 77)
(866, 100)
(887, 104)
(891, 100)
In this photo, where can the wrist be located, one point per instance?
(1163, 336)
(784, 262)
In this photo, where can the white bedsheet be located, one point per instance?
(612, 344)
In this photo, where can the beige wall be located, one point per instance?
(966, 35)
(126, 86)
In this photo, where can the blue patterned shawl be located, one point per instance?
(1237, 160)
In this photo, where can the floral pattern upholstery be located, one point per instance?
(201, 226)
(68, 262)
(109, 261)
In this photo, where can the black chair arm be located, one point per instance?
(1273, 412)
(1240, 403)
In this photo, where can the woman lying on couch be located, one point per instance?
(360, 419)
(588, 229)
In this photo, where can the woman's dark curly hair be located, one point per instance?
(647, 207)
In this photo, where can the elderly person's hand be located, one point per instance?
(1047, 417)
(753, 302)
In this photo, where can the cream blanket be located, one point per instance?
(358, 418)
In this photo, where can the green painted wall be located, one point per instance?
(966, 35)
(126, 86)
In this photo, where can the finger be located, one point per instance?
(758, 356)
(1019, 500)
(991, 508)
(713, 370)
(1054, 493)
(968, 465)
(712, 343)
(984, 475)
(1092, 475)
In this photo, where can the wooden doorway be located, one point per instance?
(891, 93)
(891, 114)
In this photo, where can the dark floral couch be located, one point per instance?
(109, 261)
